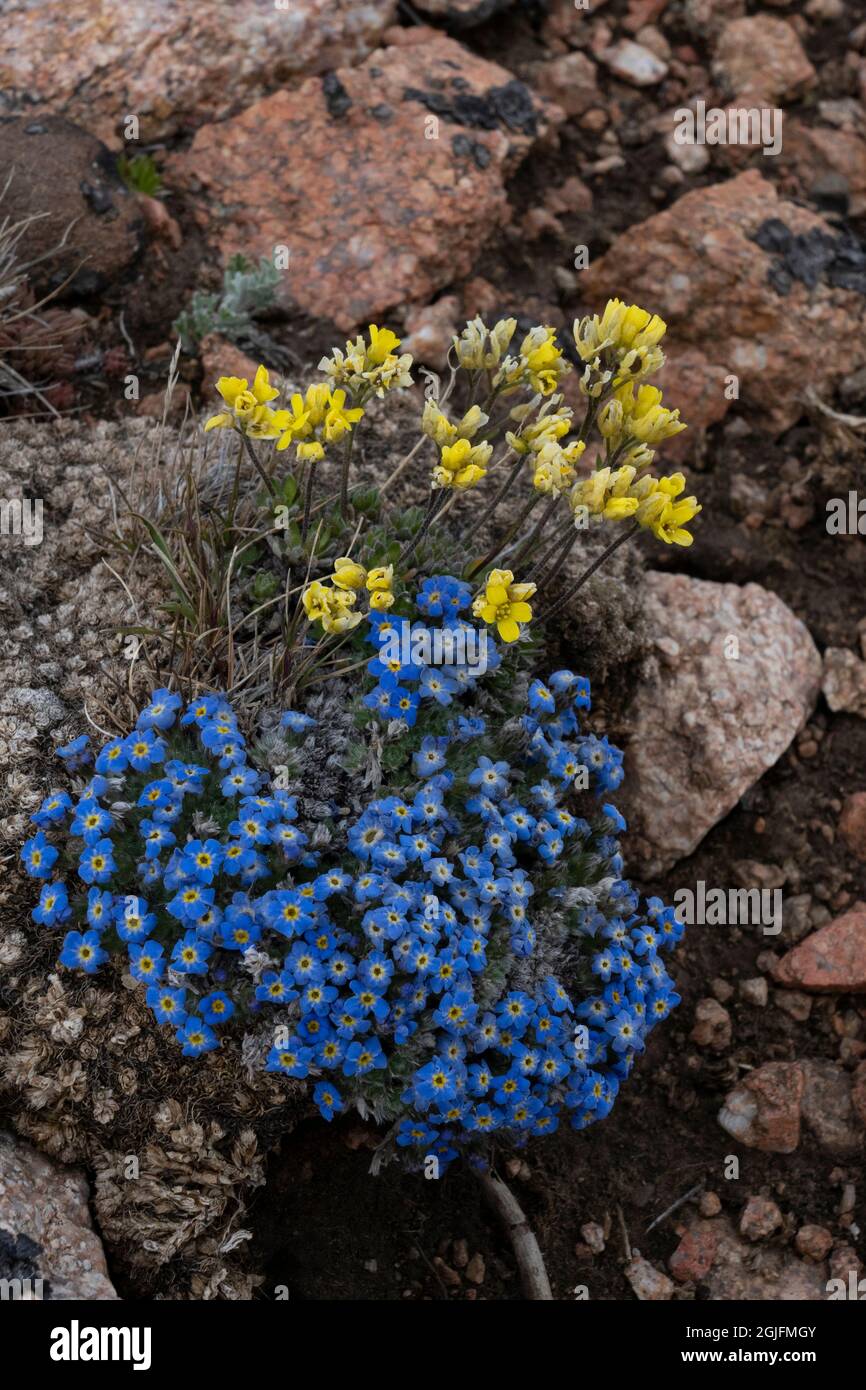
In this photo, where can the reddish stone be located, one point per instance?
(693, 1257)
(832, 959)
(173, 66)
(763, 1111)
(760, 58)
(759, 1219)
(858, 1092)
(852, 824)
(382, 181)
(698, 266)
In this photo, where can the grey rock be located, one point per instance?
(46, 1239)
(706, 724)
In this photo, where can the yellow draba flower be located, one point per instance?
(545, 363)
(625, 337)
(348, 574)
(645, 418)
(369, 368)
(540, 432)
(297, 422)
(339, 420)
(379, 582)
(382, 344)
(480, 348)
(245, 402)
(659, 511)
(670, 525)
(437, 426)
(330, 607)
(503, 604)
(622, 327)
(320, 409)
(313, 452)
(554, 469)
(540, 364)
(461, 465)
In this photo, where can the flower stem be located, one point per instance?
(344, 477)
(434, 502)
(491, 555)
(308, 499)
(258, 467)
(536, 531)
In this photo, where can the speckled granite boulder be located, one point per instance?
(735, 676)
(46, 1238)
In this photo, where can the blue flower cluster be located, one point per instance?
(469, 961)
(419, 662)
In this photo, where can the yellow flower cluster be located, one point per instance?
(248, 409)
(620, 345)
(372, 368)
(503, 604)
(316, 419)
(333, 603)
(651, 502)
(637, 418)
(540, 364)
(552, 462)
(480, 348)
(461, 464)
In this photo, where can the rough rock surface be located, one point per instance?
(45, 1228)
(827, 1108)
(570, 80)
(844, 681)
(694, 1256)
(763, 1111)
(742, 1272)
(852, 824)
(172, 66)
(816, 151)
(733, 717)
(650, 1285)
(382, 180)
(633, 63)
(766, 1109)
(69, 181)
(760, 60)
(830, 959)
(698, 265)
(759, 1218)
(461, 14)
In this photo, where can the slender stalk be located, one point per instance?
(258, 467)
(560, 538)
(588, 573)
(536, 531)
(491, 555)
(308, 499)
(434, 502)
(559, 559)
(344, 477)
(509, 481)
